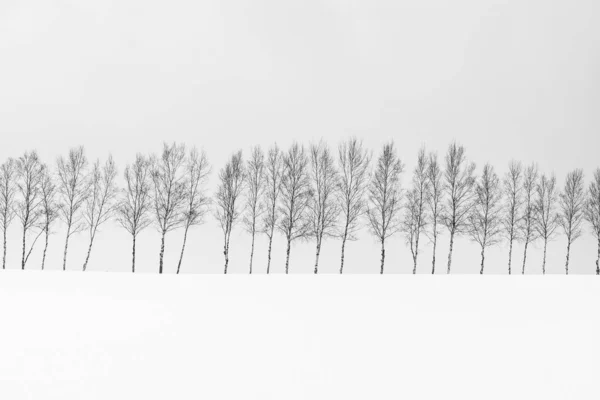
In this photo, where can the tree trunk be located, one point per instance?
(415, 257)
(162, 252)
(482, 259)
(4, 257)
(87, 258)
(544, 260)
(287, 256)
(23, 257)
(450, 251)
(344, 237)
(433, 258)
(525, 256)
(568, 252)
(182, 248)
(45, 249)
(226, 249)
(66, 248)
(598, 259)
(317, 256)
(510, 257)
(252, 250)
(382, 255)
(133, 255)
(269, 253)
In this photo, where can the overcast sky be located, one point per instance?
(508, 79)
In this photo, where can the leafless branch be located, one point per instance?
(513, 191)
(572, 204)
(8, 192)
(255, 170)
(546, 217)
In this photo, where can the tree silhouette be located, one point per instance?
(527, 223)
(296, 194)
(73, 189)
(572, 204)
(134, 208)
(385, 196)
(513, 192)
(231, 184)
(255, 170)
(169, 192)
(592, 212)
(546, 218)
(458, 184)
(353, 166)
(197, 201)
(8, 191)
(323, 207)
(49, 208)
(100, 204)
(434, 201)
(30, 172)
(416, 218)
(273, 177)
(485, 218)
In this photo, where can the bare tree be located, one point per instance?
(49, 208)
(459, 182)
(296, 193)
(73, 188)
(353, 164)
(546, 218)
(513, 191)
(8, 191)
(197, 202)
(592, 212)
(30, 172)
(385, 195)
(434, 201)
(255, 170)
(323, 207)
(231, 184)
(527, 223)
(134, 208)
(273, 176)
(416, 217)
(572, 204)
(485, 218)
(169, 192)
(100, 205)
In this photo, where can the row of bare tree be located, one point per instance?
(304, 193)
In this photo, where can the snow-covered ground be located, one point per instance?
(118, 336)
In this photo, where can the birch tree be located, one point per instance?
(49, 208)
(8, 191)
(100, 204)
(133, 211)
(527, 224)
(546, 217)
(385, 195)
(255, 170)
(353, 166)
(323, 207)
(459, 181)
(485, 218)
(296, 194)
(231, 185)
(592, 212)
(416, 217)
(272, 192)
(73, 188)
(513, 191)
(197, 200)
(30, 172)
(572, 205)
(434, 201)
(168, 192)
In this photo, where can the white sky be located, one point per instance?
(508, 79)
